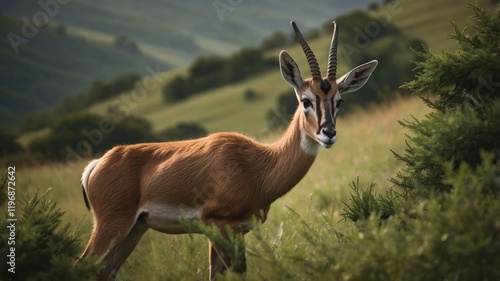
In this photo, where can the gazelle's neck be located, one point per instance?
(293, 154)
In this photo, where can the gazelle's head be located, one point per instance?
(320, 97)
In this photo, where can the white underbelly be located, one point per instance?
(172, 219)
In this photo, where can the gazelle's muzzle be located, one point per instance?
(327, 136)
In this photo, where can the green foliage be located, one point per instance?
(280, 116)
(455, 136)
(250, 95)
(468, 119)
(363, 203)
(211, 72)
(44, 248)
(446, 221)
(447, 237)
(276, 40)
(176, 90)
(184, 131)
(468, 77)
(87, 134)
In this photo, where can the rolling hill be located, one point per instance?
(77, 46)
(183, 28)
(414, 18)
(53, 65)
(224, 108)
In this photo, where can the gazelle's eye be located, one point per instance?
(307, 103)
(339, 103)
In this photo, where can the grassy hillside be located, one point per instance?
(53, 65)
(47, 65)
(58, 64)
(225, 109)
(184, 28)
(430, 20)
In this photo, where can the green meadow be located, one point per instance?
(366, 137)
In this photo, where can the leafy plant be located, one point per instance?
(44, 249)
(184, 131)
(364, 203)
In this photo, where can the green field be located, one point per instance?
(365, 137)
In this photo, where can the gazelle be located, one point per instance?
(221, 180)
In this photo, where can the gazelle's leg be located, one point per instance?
(107, 237)
(217, 264)
(222, 258)
(121, 252)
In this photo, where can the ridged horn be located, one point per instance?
(311, 59)
(332, 55)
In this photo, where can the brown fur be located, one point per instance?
(228, 176)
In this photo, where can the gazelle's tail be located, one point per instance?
(85, 179)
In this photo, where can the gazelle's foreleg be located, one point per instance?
(227, 254)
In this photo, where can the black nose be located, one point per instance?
(329, 132)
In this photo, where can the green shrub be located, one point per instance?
(363, 203)
(250, 95)
(280, 116)
(467, 120)
(86, 134)
(276, 40)
(209, 72)
(451, 236)
(184, 131)
(468, 77)
(445, 225)
(44, 248)
(455, 136)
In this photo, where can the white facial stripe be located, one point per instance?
(309, 94)
(311, 97)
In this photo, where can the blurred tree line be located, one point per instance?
(81, 135)
(84, 135)
(211, 72)
(99, 91)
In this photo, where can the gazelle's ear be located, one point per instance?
(356, 78)
(290, 71)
